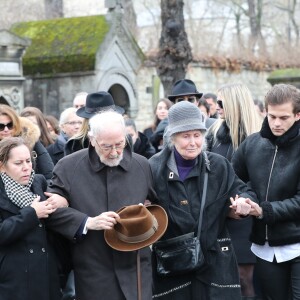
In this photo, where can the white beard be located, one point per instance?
(111, 162)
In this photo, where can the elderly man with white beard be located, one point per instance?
(97, 182)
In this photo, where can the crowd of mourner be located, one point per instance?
(204, 204)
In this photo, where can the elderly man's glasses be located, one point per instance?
(191, 99)
(220, 103)
(9, 126)
(109, 148)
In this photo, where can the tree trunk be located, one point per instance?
(255, 16)
(174, 49)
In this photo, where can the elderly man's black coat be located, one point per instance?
(93, 188)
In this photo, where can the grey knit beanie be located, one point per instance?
(185, 116)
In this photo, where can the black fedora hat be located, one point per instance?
(97, 102)
(184, 87)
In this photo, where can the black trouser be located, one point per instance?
(279, 281)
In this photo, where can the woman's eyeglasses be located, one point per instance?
(220, 103)
(9, 126)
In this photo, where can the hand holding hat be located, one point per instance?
(106, 220)
(138, 226)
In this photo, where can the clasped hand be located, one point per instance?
(244, 206)
(42, 208)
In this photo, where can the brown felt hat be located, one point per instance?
(139, 226)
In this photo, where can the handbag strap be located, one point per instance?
(203, 199)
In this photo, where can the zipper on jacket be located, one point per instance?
(267, 194)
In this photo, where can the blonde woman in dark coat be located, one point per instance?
(238, 120)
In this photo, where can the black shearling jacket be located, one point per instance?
(271, 167)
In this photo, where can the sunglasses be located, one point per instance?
(220, 103)
(190, 99)
(9, 126)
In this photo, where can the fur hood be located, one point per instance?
(30, 132)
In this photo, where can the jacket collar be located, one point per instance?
(97, 165)
(281, 141)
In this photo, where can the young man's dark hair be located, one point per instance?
(283, 93)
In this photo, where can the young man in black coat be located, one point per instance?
(269, 162)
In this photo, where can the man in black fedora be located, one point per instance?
(95, 103)
(185, 90)
(98, 102)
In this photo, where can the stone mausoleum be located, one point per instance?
(70, 55)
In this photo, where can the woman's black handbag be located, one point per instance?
(178, 255)
(182, 254)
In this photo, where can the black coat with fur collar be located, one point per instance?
(271, 166)
(42, 161)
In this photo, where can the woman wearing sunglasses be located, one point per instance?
(238, 119)
(11, 125)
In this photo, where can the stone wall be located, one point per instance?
(206, 80)
(53, 94)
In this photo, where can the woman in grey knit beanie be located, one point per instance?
(178, 173)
